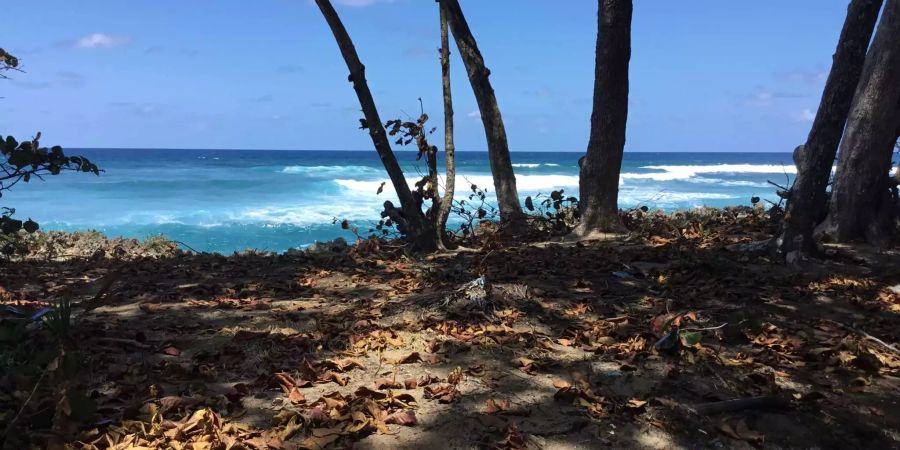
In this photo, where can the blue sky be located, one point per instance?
(706, 75)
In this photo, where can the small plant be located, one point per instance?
(20, 163)
(557, 213)
(675, 333)
(59, 320)
(474, 208)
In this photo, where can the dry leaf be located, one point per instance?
(405, 418)
(496, 405)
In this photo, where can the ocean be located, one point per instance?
(231, 200)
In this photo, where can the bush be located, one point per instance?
(22, 161)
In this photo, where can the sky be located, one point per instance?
(706, 75)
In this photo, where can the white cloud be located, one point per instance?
(807, 115)
(361, 2)
(474, 114)
(101, 40)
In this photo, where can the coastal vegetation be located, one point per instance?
(545, 321)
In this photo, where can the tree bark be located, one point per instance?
(599, 177)
(449, 146)
(419, 232)
(511, 212)
(807, 200)
(861, 206)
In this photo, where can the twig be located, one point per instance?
(188, 246)
(131, 342)
(866, 335)
(777, 185)
(705, 329)
(9, 427)
(104, 288)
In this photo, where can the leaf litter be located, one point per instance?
(261, 351)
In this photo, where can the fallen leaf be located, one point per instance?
(388, 383)
(635, 403)
(443, 393)
(405, 418)
(495, 405)
(408, 359)
(170, 350)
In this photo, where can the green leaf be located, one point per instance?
(30, 226)
(691, 338)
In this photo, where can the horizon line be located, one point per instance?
(404, 151)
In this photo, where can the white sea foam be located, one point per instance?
(311, 214)
(331, 171)
(524, 183)
(670, 173)
(721, 182)
(534, 165)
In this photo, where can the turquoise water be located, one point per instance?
(227, 200)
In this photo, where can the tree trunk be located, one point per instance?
(449, 147)
(599, 177)
(807, 199)
(861, 206)
(412, 221)
(498, 148)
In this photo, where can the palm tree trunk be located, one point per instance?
(413, 223)
(511, 212)
(807, 200)
(861, 204)
(449, 147)
(599, 177)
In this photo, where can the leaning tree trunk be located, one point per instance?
(861, 206)
(498, 148)
(599, 177)
(410, 219)
(807, 200)
(449, 147)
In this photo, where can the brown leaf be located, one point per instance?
(562, 384)
(389, 383)
(342, 365)
(338, 378)
(295, 396)
(635, 403)
(170, 350)
(443, 393)
(526, 365)
(408, 359)
(411, 383)
(308, 372)
(363, 391)
(495, 405)
(405, 418)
